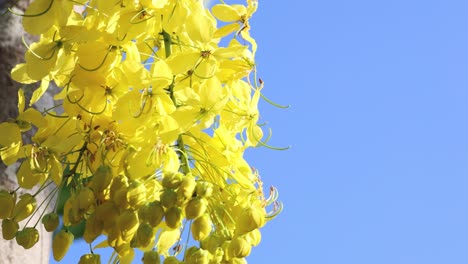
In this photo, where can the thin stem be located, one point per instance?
(42, 188)
(180, 141)
(273, 103)
(75, 167)
(48, 109)
(48, 203)
(188, 236)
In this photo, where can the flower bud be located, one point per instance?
(217, 255)
(9, 228)
(61, 243)
(7, 203)
(239, 248)
(24, 208)
(187, 187)
(151, 257)
(50, 221)
(168, 198)
(237, 261)
(171, 260)
(101, 178)
(90, 259)
(71, 212)
(249, 219)
(172, 180)
(66, 212)
(155, 213)
(201, 227)
(27, 237)
(212, 242)
(204, 189)
(254, 237)
(85, 199)
(144, 235)
(195, 208)
(195, 255)
(173, 217)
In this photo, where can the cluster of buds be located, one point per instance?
(148, 133)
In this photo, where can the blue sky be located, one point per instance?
(378, 169)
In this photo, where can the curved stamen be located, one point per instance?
(273, 103)
(277, 208)
(34, 53)
(101, 64)
(264, 144)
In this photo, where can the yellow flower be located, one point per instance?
(233, 14)
(11, 141)
(147, 135)
(43, 14)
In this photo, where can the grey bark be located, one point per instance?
(12, 52)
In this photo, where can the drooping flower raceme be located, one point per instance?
(156, 108)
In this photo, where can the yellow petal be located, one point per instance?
(137, 165)
(133, 74)
(211, 93)
(166, 240)
(103, 244)
(184, 61)
(41, 58)
(186, 117)
(235, 49)
(67, 144)
(21, 100)
(31, 115)
(161, 74)
(245, 34)
(26, 179)
(56, 170)
(159, 3)
(171, 160)
(20, 74)
(10, 133)
(200, 27)
(79, 33)
(226, 30)
(38, 24)
(96, 55)
(10, 154)
(39, 91)
(128, 257)
(225, 13)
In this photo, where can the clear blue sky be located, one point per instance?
(378, 169)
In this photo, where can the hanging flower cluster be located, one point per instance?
(148, 131)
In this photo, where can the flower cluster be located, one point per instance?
(156, 108)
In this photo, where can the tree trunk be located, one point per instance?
(12, 52)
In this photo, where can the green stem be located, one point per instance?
(185, 165)
(78, 161)
(50, 195)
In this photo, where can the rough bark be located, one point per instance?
(12, 52)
